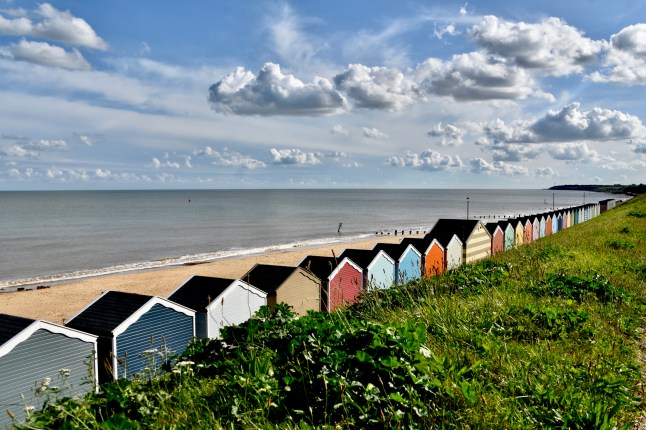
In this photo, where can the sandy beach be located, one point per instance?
(61, 301)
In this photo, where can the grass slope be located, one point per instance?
(546, 335)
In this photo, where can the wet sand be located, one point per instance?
(59, 302)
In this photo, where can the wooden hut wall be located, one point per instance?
(548, 225)
(434, 259)
(381, 272)
(478, 244)
(497, 241)
(345, 284)
(453, 253)
(536, 228)
(302, 291)
(410, 265)
(519, 237)
(236, 305)
(529, 232)
(510, 237)
(165, 328)
(41, 351)
(542, 226)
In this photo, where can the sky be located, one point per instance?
(157, 94)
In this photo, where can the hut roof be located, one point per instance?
(444, 229)
(394, 250)
(199, 291)
(11, 325)
(320, 266)
(420, 243)
(268, 277)
(492, 227)
(107, 312)
(361, 257)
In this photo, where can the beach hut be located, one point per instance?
(433, 260)
(555, 222)
(519, 231)
(548, 223)
(295, 286)
(218, 302)
(536, 227)
(341, 280)
(35, 355)
(542, 225)
(475, 238)
(509, 234)
(135, 331)
(408, 260)
(378, 268)
(497, 237)
(452, 248)
(528, 227)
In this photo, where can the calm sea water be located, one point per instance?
(55, 236)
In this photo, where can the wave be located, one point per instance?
(175, 261)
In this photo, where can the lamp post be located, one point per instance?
(552, 201)
(467, 207)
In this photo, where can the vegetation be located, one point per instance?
(543, 336)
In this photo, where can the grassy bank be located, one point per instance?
(546, 335)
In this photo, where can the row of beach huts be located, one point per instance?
(120, 334)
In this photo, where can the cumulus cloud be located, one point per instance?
(47, 145)
(449, 134)
(476, 76)
(639, 147)
(483, 167)
(44, 54)
(229, 158)
(373, 133)
(295, 157)
(18, 151)
(103, 174)
(545, 172)
(339, 129)
(551, 45)
(573, 151)
(166, 164)
(375, 87)
(444, 30)
(428, 160)
(625, 60)
(273, 93)
(55, 25)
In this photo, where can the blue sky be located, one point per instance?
(275, 94)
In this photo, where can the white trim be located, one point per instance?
(412, 248)
(374, 260)
(431, 245)
(228, 290)
(123, 326)
(338, 268)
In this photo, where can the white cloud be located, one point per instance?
(449, 134)
(545, 172)
(552, 45)
(373, 133)
(428, 160)
(18, 151)
(481, 166)
(229, 158)
(44, 54)
(375, 87)
(295, 157)
(639, 147)
(444, 30)
(56, 25)
(166, 164)
(103, 174)
(273, 93)
(625, 165)
(573, 151)
(47, 145)
(625, 60)
(339, 129)
(476, 76)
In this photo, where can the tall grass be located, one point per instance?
(543, 336)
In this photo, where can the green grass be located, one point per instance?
(543, 336)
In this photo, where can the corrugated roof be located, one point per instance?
(444, 230)
(394, 250)
(199, 291)
(360, 257)
(11, 325)
(420, 243)
(268, 277)
(108, 312)
(322, 267)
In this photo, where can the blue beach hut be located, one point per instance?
(133, 330)
(408, 260)
(37, 355)
(378, 267)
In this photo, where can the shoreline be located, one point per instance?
(60, 300)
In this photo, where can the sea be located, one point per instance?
(49, 237)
